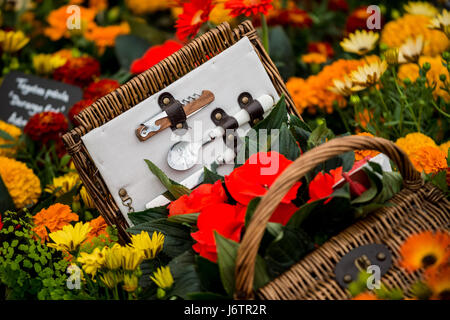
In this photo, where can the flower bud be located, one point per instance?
(442, 77)
(426, 66)
(355, 100)
(391, 56)
(446, 56)
(407, 81)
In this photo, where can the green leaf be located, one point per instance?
(140, 28)
(276, 117)
(295, 121)
(148, 215)
(281, 52)
(392, 184)
(6, 136)
(177, 236)
(65, 160)
(209, 274)
(367, 195)
(67, 198)
(251, 207)
(186, 278)
(287, 144)
(302, 213)
(190, 218)
(177, 190)
(319, 135)
(211, 177)
(6, 202)
(129, 48)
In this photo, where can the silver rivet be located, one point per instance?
(179, 125)
(244, 100)
(166, 101)
(255, 121)
(218, 116)
(230, 137)
(122, 192)
(381, 256)
(347, 278)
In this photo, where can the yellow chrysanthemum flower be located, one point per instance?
(413, 141)
(111, 279)
(396, 32)
(87, 200)
(144, 7)
(314, 57)
(150, 246)
(444, 147)
(420, 8)
(70, 237)
(23, 185)
(15, 133)
(13, 41)
(360, 42)
(441, 22)
(368, 75)
(163, 278)
(45, 64)
(132, 258)
(92, 262)
(429, 159)
(130, 282)
(64, 184)
(114, 257)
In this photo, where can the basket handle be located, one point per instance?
(246, 256)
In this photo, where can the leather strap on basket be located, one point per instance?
(246, 256)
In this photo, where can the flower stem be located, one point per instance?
(439, 109)
(265, 33)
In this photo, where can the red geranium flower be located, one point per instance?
(203, 196)
(78, 71)
(255, 177)
(100, 88)
(154, 55)
(321, 47)
(225, 219)
(248, 7)
(46, 126)
(77, 108)
(195, 14)
(322, 185)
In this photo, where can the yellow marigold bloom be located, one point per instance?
(411, 50)
(441, 21)
(163, 278)
(361, 154)
(438, 280)
(54, 218)
(15, 133)
(425, 250)
(314, 91)
(420, 8)
(367, 75)
(58, 19)
(219, 14)
(413, 141)
(411, 71)
(87, 200)
(106, 36)
(429, 159)
(360, 42)
(396, 32)
(92, 262)
(444, 147)
(23, 185)
(144, 7)
(110, 279)
(130, 282)
(44, 64)
(314, 57)
(13, 41)
(150, 246)
(70, 237)
(114, 257)
(63, 184)
(132, 258)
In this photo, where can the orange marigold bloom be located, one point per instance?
(429, 159)
(365, 296)
(314, 57)
(98, 226)
(438, 280)
(424, 250)
(361, 154)
(444, 147)
(106, 36)
(57, 20)
(54, 218)
(413, 141)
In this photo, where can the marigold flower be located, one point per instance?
(63, 184)
(53, 218)
(396, 32)
(77, 108)
(46, 126)
(195, 14)
(163, 278)
(99, 227)
(425, 250)
(324, 48)
(15, 133)
(444, 147)
(248, 7)
(293, 16)
(45, 64)
(144, 7)
(154, 55)
(106, 36)
(70, 237)
(429, 159)
(23, 185)
(12, 41)
(413, 141)
(314, 57)
(92, 262)
(130, 282)
(368, 75)
(78, 71)
(360, 42)
(438, 280)
(362, 154)
(100, 88)
(420, 8)
(150, 246)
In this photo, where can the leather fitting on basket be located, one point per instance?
(252, 106)
(229, 123)
(174, 110)
(375, 259)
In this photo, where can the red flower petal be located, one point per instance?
(154, 55)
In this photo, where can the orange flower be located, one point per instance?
(195, 14)
(314, 57)
(363, 118)
(438, 280)
(414, 141)
(424, 250)
(106, 36)
(58, 19)
(365, 296)
(98, 227)
(248, 7)
(361, 154)
(54, 218)
(429, 159)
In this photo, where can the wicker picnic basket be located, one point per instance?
(141, 87)
(417, 207)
